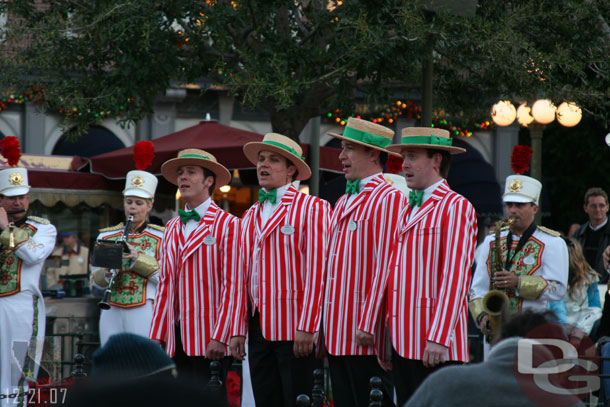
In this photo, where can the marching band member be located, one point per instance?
(536, 262)
(361, 230)
(133, 293)
(430, 270)
(25, 242)
(283, 256)
(193, 315)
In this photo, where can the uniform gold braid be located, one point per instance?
(99, 276)
(20, 236)
(476, 308)
(145, 265)
(530, 287)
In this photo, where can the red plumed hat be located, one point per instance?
(143, 154)
(11, 150)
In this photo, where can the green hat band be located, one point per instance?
(365, 137)
(194, 156)
(432, 140)
(285, 147)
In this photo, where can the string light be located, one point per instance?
(410, 110)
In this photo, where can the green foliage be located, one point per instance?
(295, 59)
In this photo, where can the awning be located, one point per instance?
(224, 142)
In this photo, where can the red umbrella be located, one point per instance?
(224, 142)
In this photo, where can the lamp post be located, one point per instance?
(541, 113)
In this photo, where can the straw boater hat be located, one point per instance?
(200, 158)
(426, 137)
(521, 188)
(282, 145)
(367, 134)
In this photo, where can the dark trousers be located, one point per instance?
(409, 374)
(196, 369)
(278, 377)
(350, 376)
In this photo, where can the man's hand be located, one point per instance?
(505, 279)
(132, 253)
(303, 344)
(215, 350)
(3, 219)
(238, 347)
(364, 338)
(483, 323)
(434, 354)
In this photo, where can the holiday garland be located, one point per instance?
(409, 110)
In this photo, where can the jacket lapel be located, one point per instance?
(362, 196)
(279, 213)
(203, 229)
(438, 194)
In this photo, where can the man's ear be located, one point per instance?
(208, 181)
(292, 169)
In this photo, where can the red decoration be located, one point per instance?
(143, 154)
(394, 164)
(233, 389)
(520, 159)
(10, 150)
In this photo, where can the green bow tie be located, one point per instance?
(352, 187)
(270, 196)
(185, 216)
(416, 198)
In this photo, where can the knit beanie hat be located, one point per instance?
(129, 356)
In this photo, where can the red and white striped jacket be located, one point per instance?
(291, 254)
(194, 283)
(430, 276)
(358, 265)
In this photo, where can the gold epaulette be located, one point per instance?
(156, 227)
(36, 219)
(549, 231)
(120, 226)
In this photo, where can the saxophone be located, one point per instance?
(495, 302)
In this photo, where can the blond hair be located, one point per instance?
(580, 272)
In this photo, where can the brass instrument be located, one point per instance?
(11, 227)
(105, 302)
(495, 302)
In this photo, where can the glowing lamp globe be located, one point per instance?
(503, 113)
(568, 114)
(524, 116)
(543, 111)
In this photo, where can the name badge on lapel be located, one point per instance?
(352, 225)
(209, 240)
(287, 229)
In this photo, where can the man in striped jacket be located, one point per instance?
(198, 257)
(430, 268)
(282, 258)
(363, 223)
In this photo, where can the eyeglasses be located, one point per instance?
(568, 241)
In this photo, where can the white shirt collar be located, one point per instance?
(201, 209)
(428, 191)
(281, 191)
(601, 225)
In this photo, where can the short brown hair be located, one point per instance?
(595, 191)
(445, 160)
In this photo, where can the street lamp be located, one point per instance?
(536, 118)
(541, 113)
